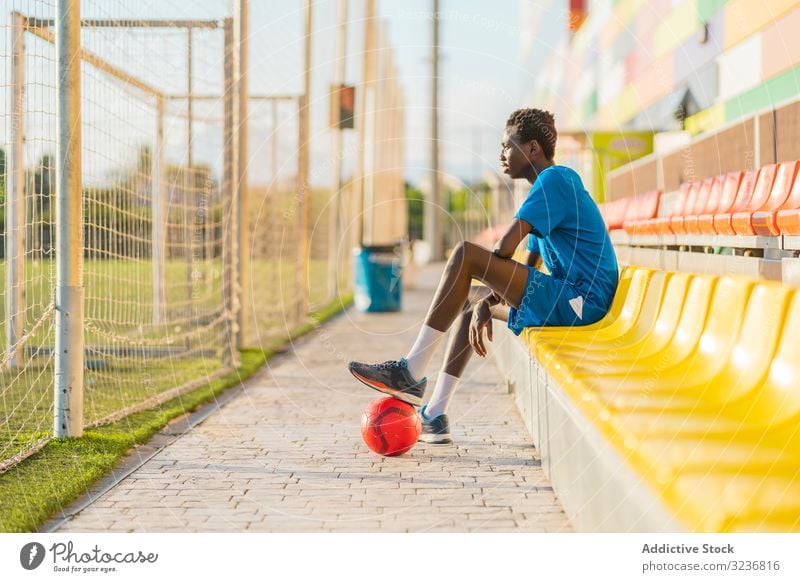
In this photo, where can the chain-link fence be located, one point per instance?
(175, 159)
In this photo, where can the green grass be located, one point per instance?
(274, 300)
(119, 302)
(119, 294)
(64, 469)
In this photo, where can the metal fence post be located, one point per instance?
(301, 203)
(230, 353)
(158, 203)
(304, 187)
(69, 357)
(434, 219)
(242, 187)
(365, 108)
(189, 182)
(335, 210)
(15, 197)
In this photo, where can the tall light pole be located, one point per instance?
(366, 137)
(242, 34)
(304, 188)
(433, 216)
(336, 200)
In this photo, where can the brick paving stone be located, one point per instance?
(286, 455)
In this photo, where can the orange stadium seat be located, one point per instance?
(710, 206)
(614, 213)
(764, 221)
(762, 195)
(643, 207)
(660, 225)
(676, 222)
(788, 219)
(730, 187)
(722, 220)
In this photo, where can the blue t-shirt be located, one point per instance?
(570, 235)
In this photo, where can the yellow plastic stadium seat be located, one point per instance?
(597, 354)
(635, 322)
(725, 402)
(620, 389)
(696, 384)
(762, 525)
(669, 464)
(747, 479)
(724, 503)
(662, 458)
(768, 437)
(631, 289)
(678, 348)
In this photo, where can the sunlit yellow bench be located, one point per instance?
(689, 392)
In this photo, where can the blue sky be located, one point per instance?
(481, 80)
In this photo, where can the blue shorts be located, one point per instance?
(552, 302)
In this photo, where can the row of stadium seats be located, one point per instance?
(754, 203)
(694, 381)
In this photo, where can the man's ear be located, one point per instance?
(534, 147)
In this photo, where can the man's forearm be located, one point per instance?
(509, 242)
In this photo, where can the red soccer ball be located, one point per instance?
(390, 427)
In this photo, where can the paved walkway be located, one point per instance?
(286, 454)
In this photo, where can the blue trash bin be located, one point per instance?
(378, 278)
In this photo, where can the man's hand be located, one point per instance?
(498, 251)
(481, 318)
(497, 299)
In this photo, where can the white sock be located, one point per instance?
(445, 388)
(422, 350)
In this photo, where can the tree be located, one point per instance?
(44, 179)
(416, 211)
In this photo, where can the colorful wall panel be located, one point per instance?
(781, 45)
(740, 67)
(634, 61)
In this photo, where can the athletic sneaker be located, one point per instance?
(392, 378)
(435, 431)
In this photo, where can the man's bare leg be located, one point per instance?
(404, 378)
(459, 351)
(470, 261)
